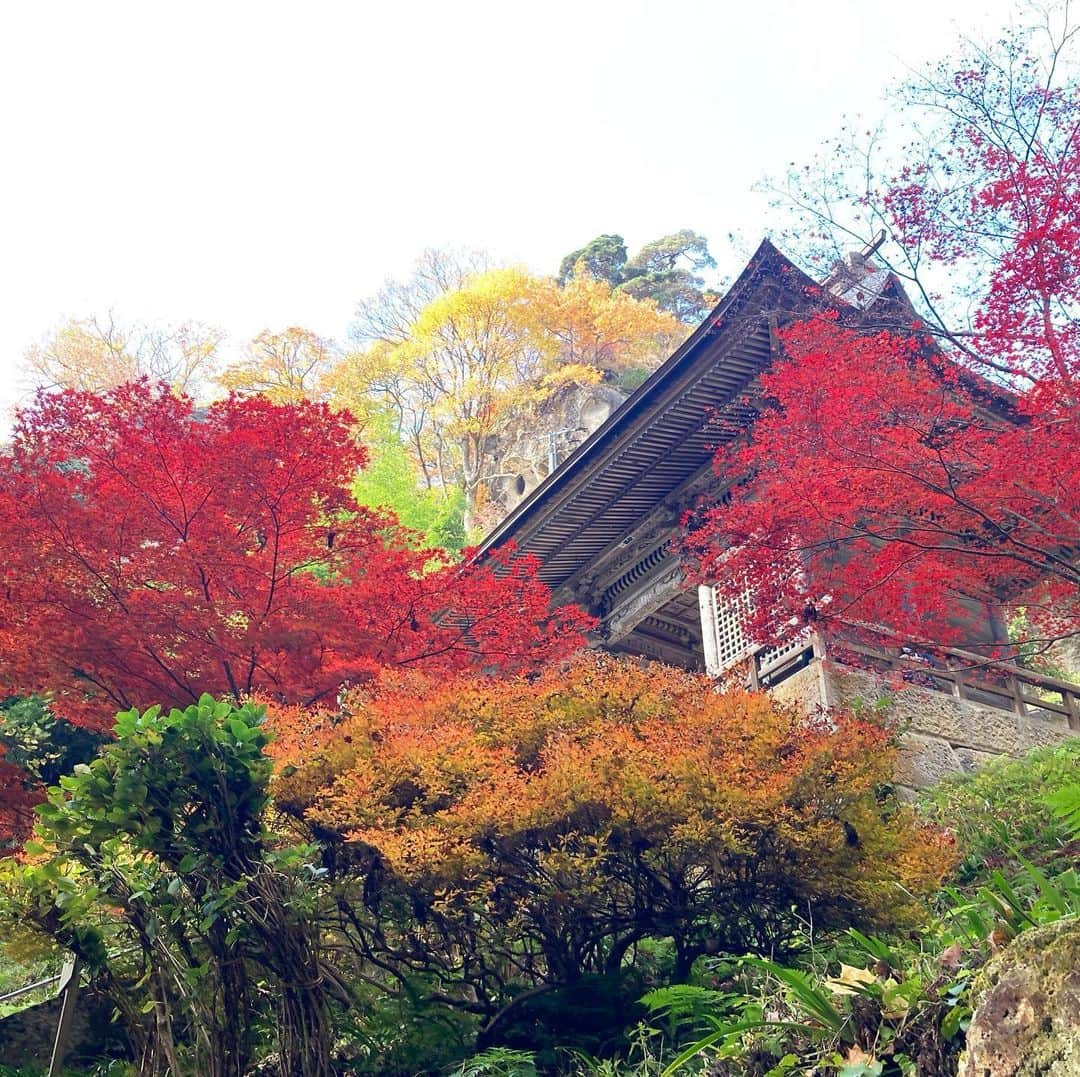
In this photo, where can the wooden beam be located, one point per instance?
(589, 582)
(632, 610)
(741, 349)
(657, 650)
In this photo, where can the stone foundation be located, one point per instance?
(942, 735)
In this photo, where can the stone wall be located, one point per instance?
(942, 735)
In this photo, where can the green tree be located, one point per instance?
(42, 744)
(392, 481)
(153, 865)
(667, 271)
(603, 258)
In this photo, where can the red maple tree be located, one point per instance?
(153, 551)
(17, 799)
(903, 470)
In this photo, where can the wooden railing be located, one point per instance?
(959, 673)
(20, 991)
(68, 984)
(768, 666)
(977, 679)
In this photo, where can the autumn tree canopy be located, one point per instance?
(154, 551)
(94, 354)
(17, 800)
(595, 325)
(906, 465)
(496, 342)
(285, 367)
(536, 828)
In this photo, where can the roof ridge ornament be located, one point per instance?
(854, 279)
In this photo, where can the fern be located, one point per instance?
(686, 1002)
(1065, 804)
(498, 1062)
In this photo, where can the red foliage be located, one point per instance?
(153, 551)
(891, 483)
(17, 800)
(884, 493)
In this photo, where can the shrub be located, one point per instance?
(153, 866)
(1002, 809)
(523, 834)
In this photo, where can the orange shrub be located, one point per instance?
(558, 820)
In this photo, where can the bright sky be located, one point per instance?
(265, 164)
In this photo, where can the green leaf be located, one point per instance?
(784, 1066)
(956, 1020)
(873, 946)
(815, 1003)
(861, 1069)
(239, 729)
(1065, 804)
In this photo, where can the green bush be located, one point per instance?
(1002, 810)
(45, 746)
(153, 865)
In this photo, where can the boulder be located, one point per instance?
(530, 440)
(1026, 1020)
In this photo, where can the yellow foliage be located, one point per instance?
(97, 355)
(501, 341)
(572, 374)
(80, 355)
(286, 367)
(597, 326)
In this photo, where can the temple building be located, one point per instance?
(602, 525)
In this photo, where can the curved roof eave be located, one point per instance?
(675, 368)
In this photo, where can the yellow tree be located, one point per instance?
(286, 367)
(598, 326)
(499, 341)
(95, 354)
(372, 381)
(470, 355)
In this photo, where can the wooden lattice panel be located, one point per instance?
(726, 643)
(724, 635)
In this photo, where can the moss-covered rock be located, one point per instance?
(1027, 1008)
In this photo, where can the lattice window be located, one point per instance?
(725, 640)
(773, 657)
(722, 632)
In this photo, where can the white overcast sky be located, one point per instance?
(260, 165)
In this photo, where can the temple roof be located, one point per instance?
(602, 522)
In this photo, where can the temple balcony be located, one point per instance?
(955, 709)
